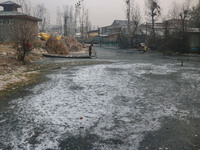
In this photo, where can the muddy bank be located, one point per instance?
(15, 75)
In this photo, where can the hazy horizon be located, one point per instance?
(102, 12)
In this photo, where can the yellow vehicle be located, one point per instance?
(58, 37)
(44, 36)
(143, 47)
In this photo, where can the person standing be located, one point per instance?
(28, 46)
(90, 50)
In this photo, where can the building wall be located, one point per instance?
(93, 34)
(9, 27)
(194, 39)
(6, 30)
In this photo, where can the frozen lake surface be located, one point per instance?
(139, 101)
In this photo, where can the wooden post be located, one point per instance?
(181, 62)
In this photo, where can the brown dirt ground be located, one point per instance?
(12, 71)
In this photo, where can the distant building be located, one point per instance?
(54, 29)
(117, 27)
(93, 33)
(9, 18)
(146, 29)
(172, 26)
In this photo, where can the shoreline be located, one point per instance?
(33, 73)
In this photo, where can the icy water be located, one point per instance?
(141, 101)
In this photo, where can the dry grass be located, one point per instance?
(13, 71)
(55, 46)
(72, 44)
(38, 43)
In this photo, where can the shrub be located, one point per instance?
(72, 44)
(55, 46)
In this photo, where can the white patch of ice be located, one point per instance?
(113, 100)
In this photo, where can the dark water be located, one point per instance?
(140, 101)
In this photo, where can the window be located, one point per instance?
(6, 21)
(10, 21)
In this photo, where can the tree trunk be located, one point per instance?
(153, 23)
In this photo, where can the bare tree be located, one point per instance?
(175, 10)
(25, 30)
(176, 38)
(48, 22)
(87, 23)
(40, 12)
(195, 17)
(83, 14)
(153, 11)
(128, 15)
(59, 19)
(81, 21)
(76, 14)
(25, 6)
(66, 19)
(79, 3)
(180, 12)
(135, 17)
(71, 20)
(184, 14)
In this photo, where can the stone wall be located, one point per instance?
(11, 28)
(6, 30)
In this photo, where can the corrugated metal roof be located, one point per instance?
(16, 13)
(9, 3)
(122, 22)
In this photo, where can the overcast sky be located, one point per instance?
(102, 12)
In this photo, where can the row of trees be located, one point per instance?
(133, 15)
(185, 15)
(76, 19)
(69, 18)
(37, 10)
(182, 11)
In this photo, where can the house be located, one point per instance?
(194, 38)
(173, 25)
(117, 27)
(146, 29)
(112, 32)
(93, 33)
(10, 17)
